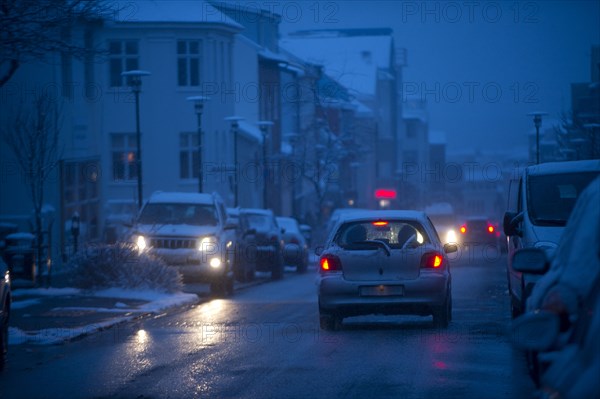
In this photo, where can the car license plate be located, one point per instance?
(382, 290)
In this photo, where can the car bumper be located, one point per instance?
(194, 263)
(348, 298)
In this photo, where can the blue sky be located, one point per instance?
(482, 66)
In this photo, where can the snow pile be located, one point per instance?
(120, 265)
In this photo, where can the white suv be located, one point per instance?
(191, 232)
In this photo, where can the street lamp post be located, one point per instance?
(537, 122)
(135, 82)
(198, 108)
(263, 125)
(234, 128)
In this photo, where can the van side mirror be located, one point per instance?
(530, 260)
(510, 224)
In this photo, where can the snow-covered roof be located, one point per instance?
(351, 60)
(250, 131)
(256, 211)
(565, 167)
(181, 198)
(190, 11)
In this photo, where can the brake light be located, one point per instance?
(330, 263)
(490, 229)
(380, 223)
(463, 229)
(432, 260)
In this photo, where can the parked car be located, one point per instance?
(295, 249)
(5, 301)
(384, 262)
(561, 326)
(191, 232)
(261, 241)
(242, 269)
(540, 203)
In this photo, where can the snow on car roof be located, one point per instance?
(565, 167)
(383, 214)
(181, 198)
(256, 211)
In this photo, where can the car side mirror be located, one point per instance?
(229, 225)
(510, 223)
(535, 331)
(450, 248)
(530, 260)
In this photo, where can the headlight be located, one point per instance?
(208, 243)
(451, 236)
(215, 263)
(141, 243)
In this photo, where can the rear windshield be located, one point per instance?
(258, 221)
(397, 234)
(551, 198)
(190, 214)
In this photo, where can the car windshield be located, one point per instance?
(289, 225)
(552, 197)
(191, 214)
(258, 221)
(397, 234)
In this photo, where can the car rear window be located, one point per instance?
(396, 233)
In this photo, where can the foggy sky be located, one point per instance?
(482, 66)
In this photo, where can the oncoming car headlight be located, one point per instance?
(215, 263)
(451, 236)
(141, 243)
(208, 243)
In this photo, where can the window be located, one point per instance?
(188, 62)
(188, 156)
(123, 56)
(124, 155)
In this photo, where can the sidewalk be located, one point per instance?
(45, 316)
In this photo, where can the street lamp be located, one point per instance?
(134, 80)
(263, 125)
(198, 107)
(234, 128)
(537, 122)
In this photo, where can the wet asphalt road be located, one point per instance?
(265, 343)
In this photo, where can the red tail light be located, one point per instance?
(490, 229)
(330, 263)
(463, 229)
(294, 240)
(432, 260)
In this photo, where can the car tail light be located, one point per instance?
(490, 229)
(294, 240)
(463, 229)
(330, 263)
(432, 260)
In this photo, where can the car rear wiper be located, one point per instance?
(377, 243)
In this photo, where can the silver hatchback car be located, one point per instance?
(384, 262)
